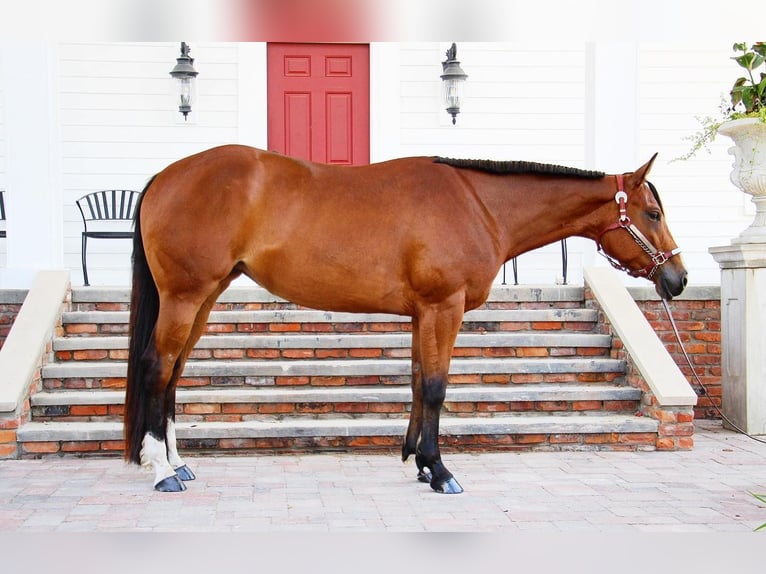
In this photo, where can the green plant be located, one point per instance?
(750, 92)
(762, 498)
(747, 97)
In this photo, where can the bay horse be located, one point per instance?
(421, 237)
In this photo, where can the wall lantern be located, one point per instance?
(452, 82)
(185, 74)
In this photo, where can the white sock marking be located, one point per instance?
(154, 455)
(173, 456)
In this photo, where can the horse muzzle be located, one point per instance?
(670, 280)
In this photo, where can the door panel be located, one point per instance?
(340, 137)
(319, 102)
(297, 125)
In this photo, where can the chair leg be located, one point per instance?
(515, 272)
(564, 260)
(84, 262)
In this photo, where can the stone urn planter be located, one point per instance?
(749, 170)
(743, 282)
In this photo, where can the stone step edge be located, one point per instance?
(351, 341)
(345, 368)
(523, 392)
(257, 294)
(496, 425)
(578, 315)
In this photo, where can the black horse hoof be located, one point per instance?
(185, 473)
(170, 484)
(449, 486)
(424, 476)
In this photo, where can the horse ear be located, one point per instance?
(639, 176)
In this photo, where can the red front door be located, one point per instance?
(319, 102)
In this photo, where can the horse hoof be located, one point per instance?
(170, 484)
(449, 486)
(424, 476)
(185, 473)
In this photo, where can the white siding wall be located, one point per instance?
(120, 126)
(2, 158)
(519, 103)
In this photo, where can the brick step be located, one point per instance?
(239, 404)
(334, 372)
(339, 346)
(88, 323)
(255, 297)
(506, 431)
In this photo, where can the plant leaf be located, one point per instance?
(759, 48)
(736, 91)
(745, 60)
(736, 94)
(761, 87)
(740, 82)
(748, 98)
(762, 498)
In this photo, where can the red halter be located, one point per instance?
(658, 257)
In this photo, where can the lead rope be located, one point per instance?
(699, 382)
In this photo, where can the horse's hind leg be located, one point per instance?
(174, 458)
(438, 328)
(182, 470)
(166, 356)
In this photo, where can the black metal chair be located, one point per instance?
(105, 210)
(2, 212)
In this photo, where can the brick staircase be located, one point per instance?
(531, 370)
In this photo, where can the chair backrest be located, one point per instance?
(108, 204)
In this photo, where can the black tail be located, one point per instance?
(144, 309)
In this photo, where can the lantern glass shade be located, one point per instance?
(185, 88)
(185, 75)
(453, 79)
(452, 92)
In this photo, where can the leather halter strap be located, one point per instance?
(623, 222)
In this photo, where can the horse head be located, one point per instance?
(639, 241)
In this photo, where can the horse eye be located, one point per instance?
(655, 216)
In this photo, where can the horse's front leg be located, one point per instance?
(439, 325)
(167, 357)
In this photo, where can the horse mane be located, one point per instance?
(519, 167)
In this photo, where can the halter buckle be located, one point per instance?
(621, 198)
(659, 258)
